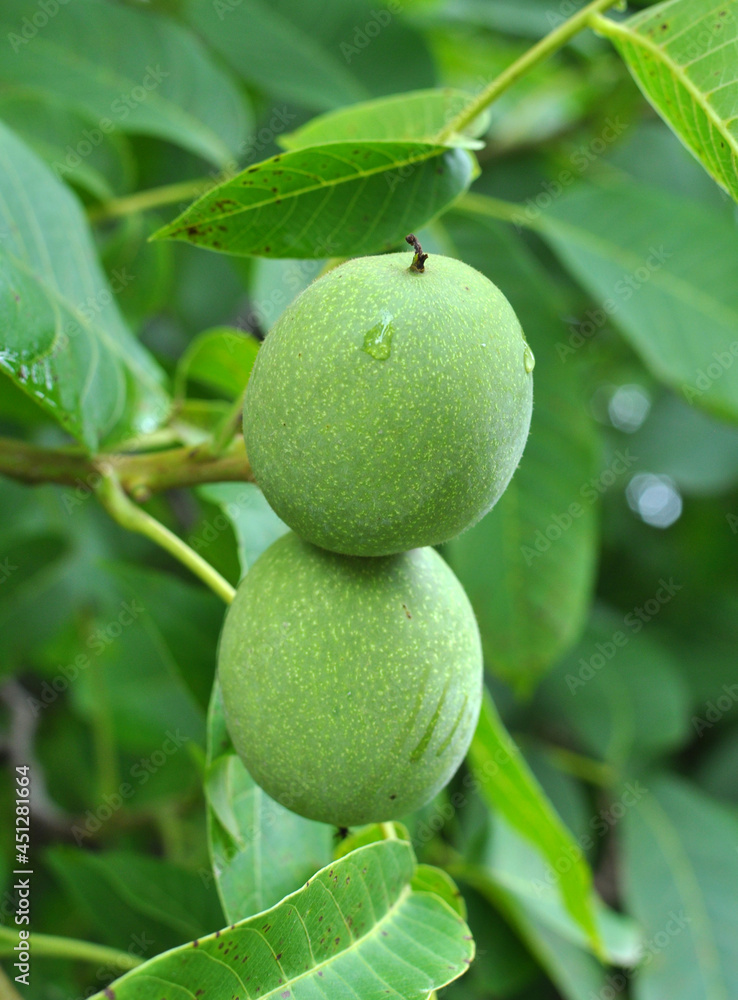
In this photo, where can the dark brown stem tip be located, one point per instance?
(420, 258)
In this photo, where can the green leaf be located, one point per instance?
(528, 566)
(125, 249)
(260, 851)
(377, 44)
(503, 965)
(516, 879)
(698, 453)
(340, 199)
(133, 898)
(275, 55)
(54, 132)
(162, 82)
(427, 878)
(509, 787)
(415, 117)
(357, 921)
(221, 359)
(683, 54)
(642, 256)
(152, 633)
(619, 691)
(65, 342)
(681, 884)
(254, 522)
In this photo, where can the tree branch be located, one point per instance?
(130, 516)
(140, 475)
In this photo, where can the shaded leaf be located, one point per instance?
(64, 341)
(340, 199)
(508, 786)
(698, 453)
(662, 268)
(356, 921)
(683, 55)
(254, 522)
(136, 899)
(162, 82)
(55, 132)
(415, 117)
(220, 359)
(260, 851)
(618, 691)
(681, 883)
(274, 54)
(518, 881)
(152, 633)
(503, 964)
(378, 45)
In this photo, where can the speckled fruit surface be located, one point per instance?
(388, 409)
(351, 687)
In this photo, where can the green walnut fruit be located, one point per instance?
(351, 687)
(389, 407)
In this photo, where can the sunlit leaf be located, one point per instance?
(413, 117)
(357, 921)
(684, 57)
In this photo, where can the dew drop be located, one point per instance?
(378, 339)
(528, 360)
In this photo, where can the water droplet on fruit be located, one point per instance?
(528, 360)
(378, 340)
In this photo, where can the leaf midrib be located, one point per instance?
(189, 218)
(679, 73)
